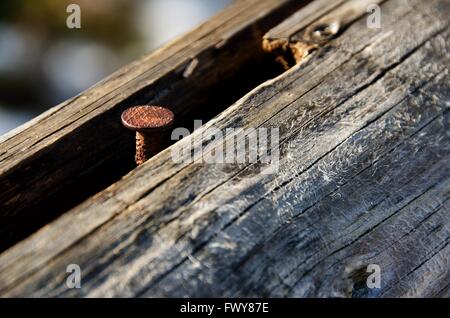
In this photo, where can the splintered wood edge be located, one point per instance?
(61, 120)
(296, 37)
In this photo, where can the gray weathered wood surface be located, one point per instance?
(364, 179)
(79, 147)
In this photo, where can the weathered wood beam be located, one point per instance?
(363, 179)
(79, 147)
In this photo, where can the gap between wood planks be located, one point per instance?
(311, 28)
(79, 148)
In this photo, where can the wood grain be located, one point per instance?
(364, 179)
(80, 147)
(312, 27)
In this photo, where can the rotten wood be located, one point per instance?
(312, 27)
(364, 179)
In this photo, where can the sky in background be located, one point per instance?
(43, 63)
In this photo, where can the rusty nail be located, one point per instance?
(150, 124)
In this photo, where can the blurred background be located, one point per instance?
(43, 62)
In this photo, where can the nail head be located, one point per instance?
(147, 118)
